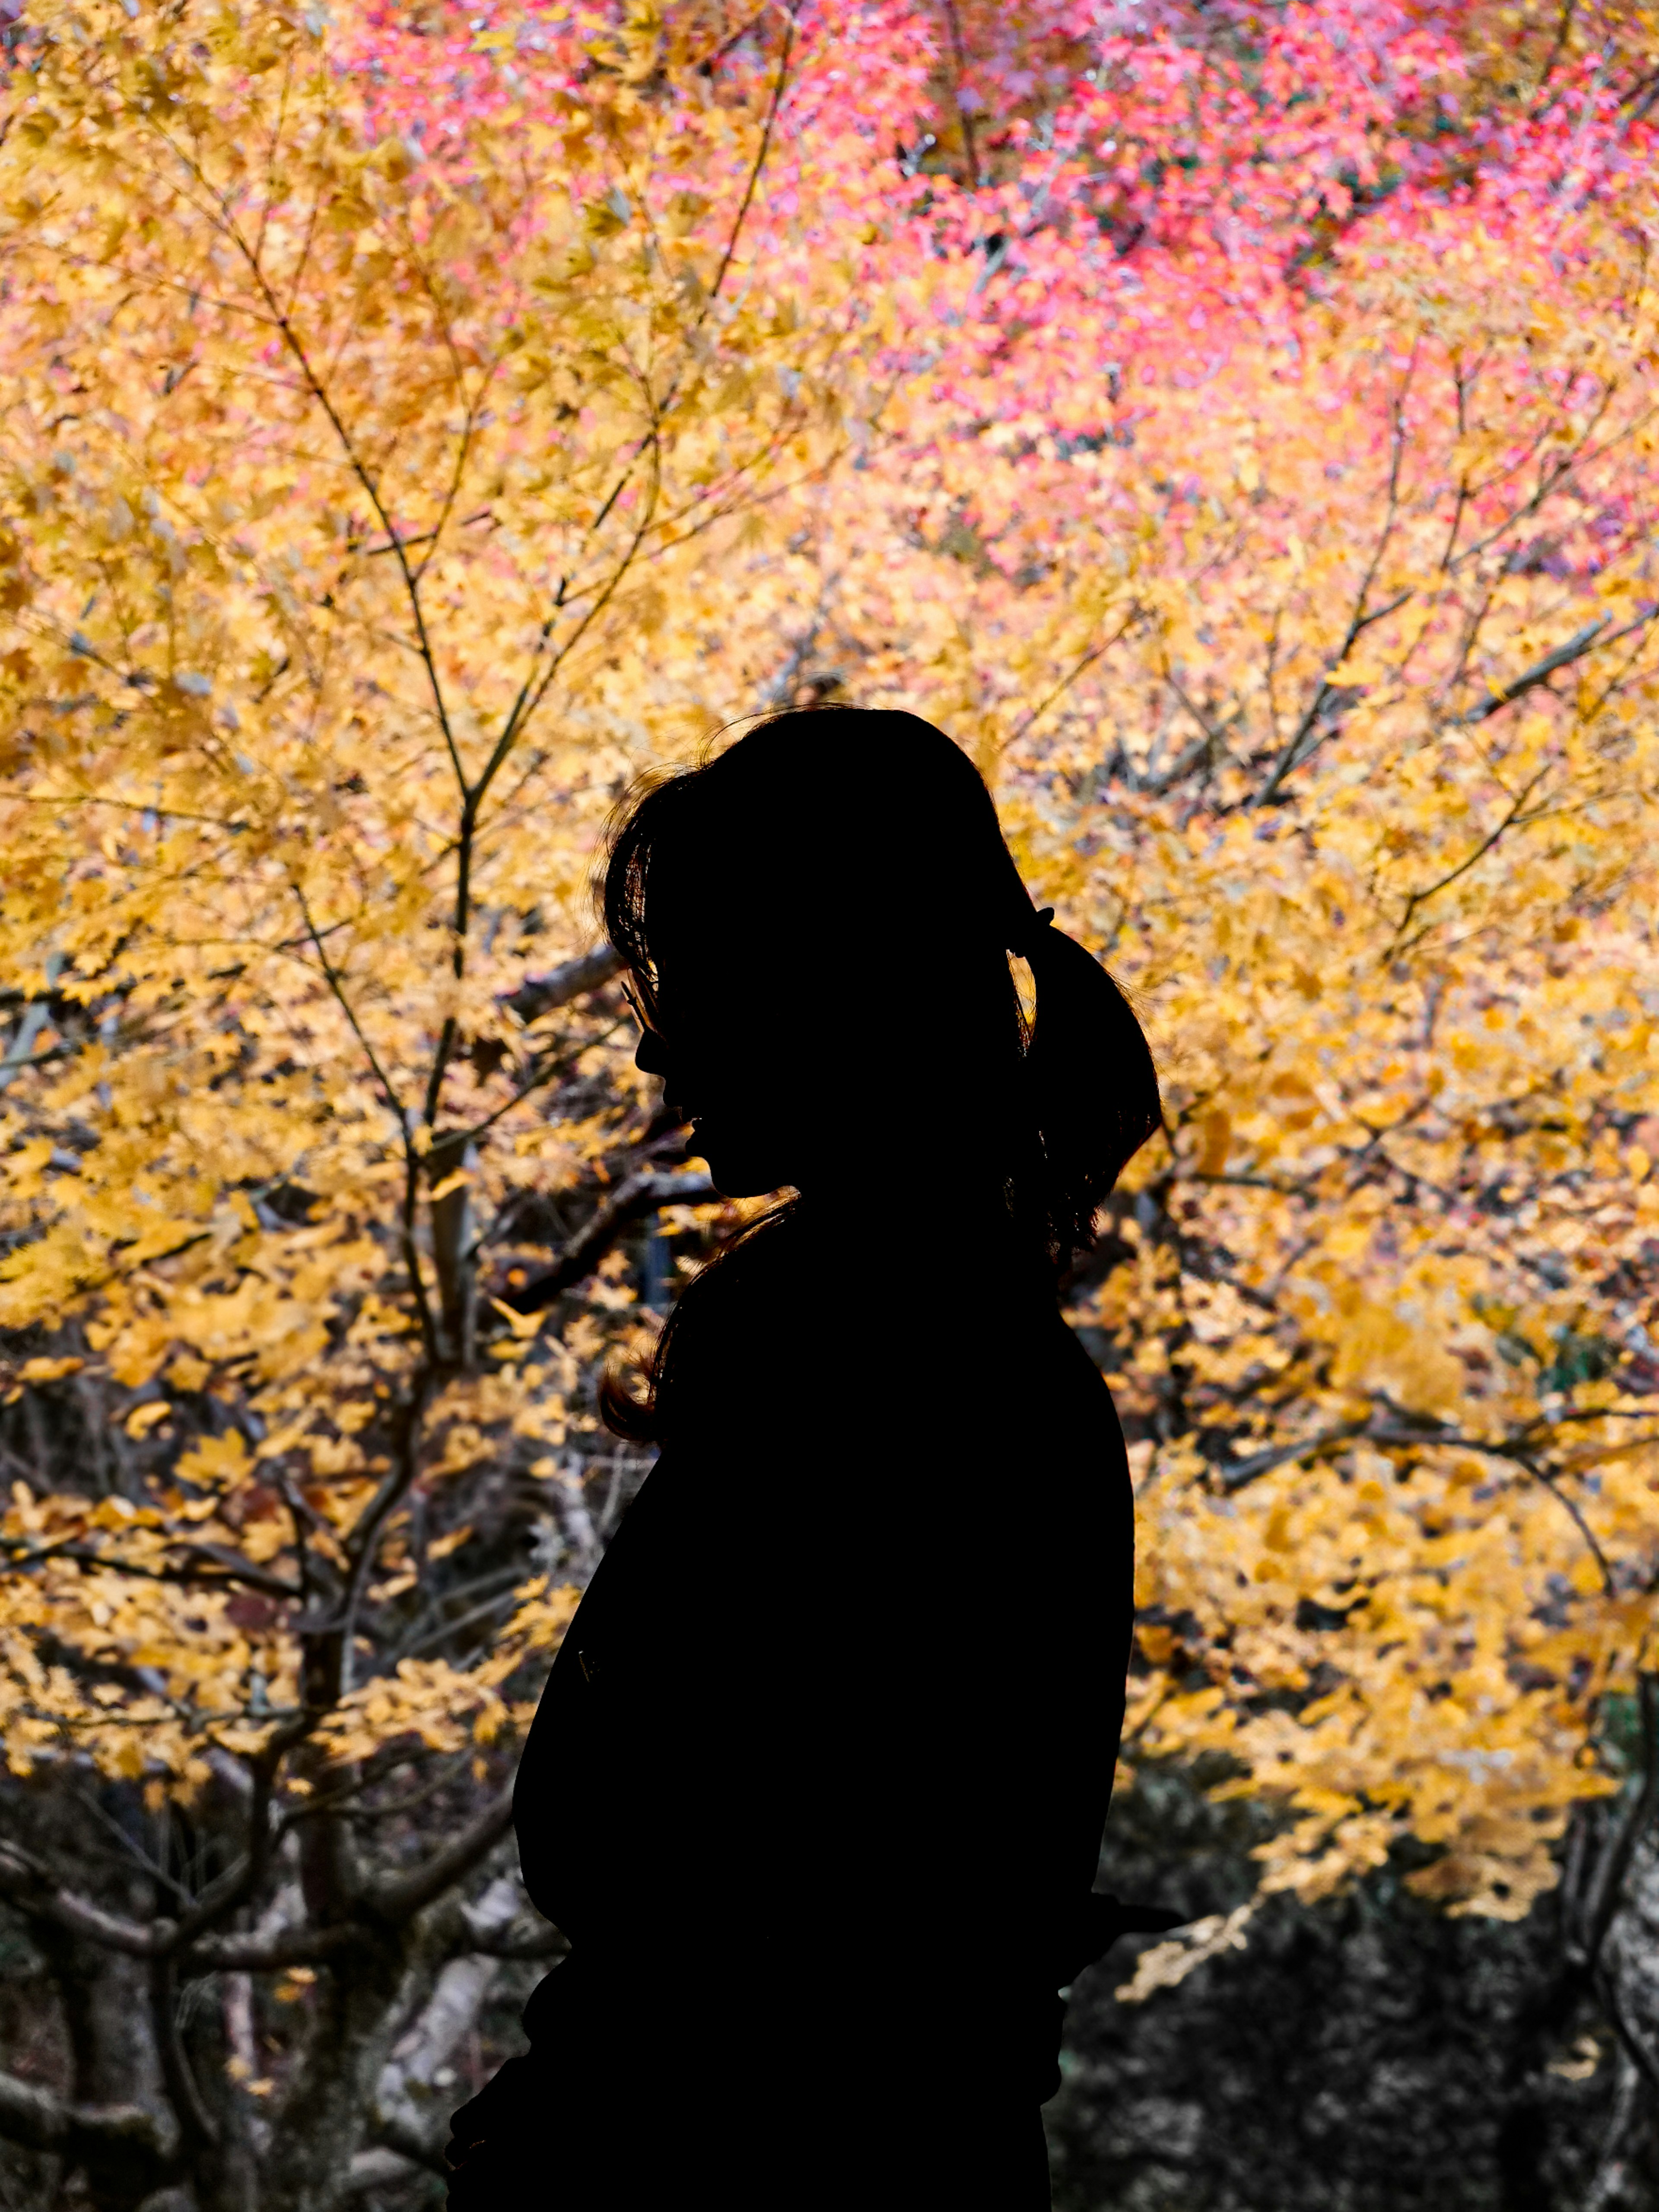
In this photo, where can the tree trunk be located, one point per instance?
(327, 2100)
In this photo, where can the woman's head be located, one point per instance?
(818, 920)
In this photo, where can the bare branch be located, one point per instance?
(183, 2089)
(643, 1193)
(1416, 899)
(1609, 1882)
(1563, 656)
(225, 1565)
(529, 1940)
(141, 2147)
(1263, 1462)
(1086, 660)
(404, 2099)
(305, 1945)
(365, 1535)
(365, 476)
(27, 1886)
(31, 1890)
(1331, 701)
(337, 987)
(404, 1896)
(751, 186)
(533, 689)
(540, 994)
(378, 2168)
(1635, 2042)
(542, 1072)
(1516, 1450)
(1328, 705)
(964, 120)
(1551, 481)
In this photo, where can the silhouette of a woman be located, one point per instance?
(816, 1786)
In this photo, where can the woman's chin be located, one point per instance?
(737, 1168)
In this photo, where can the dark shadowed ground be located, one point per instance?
(1365, 2055)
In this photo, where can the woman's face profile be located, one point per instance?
(735, 1063)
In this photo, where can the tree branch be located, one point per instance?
(542, 1074)
(32, 1890)
(643, 1193)
(183, 2089)
(365, 1537)
(1574, 648)
(283, 321)
(1086, 660)
(534, 689)
(337, 989)
(141, 2147)
(229, 1566)
(964, 120)
(1331, 701)
(539, 994)
(1515, 1449)
(1416, 899)
(527, 1941)
(27, 1886)
(403, 1897)
(1263, 1462)
(1330, 704)
(1609, 1882)
(307, 1945)
(377, 2168)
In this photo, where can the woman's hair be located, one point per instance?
(827, 841)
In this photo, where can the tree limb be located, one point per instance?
(1574, 648)
(377, 2168)
(1609, 1882)
(527, 1941)
(140, 2146)
(226, 1565)
(1331, 701)
(539, 994)
(405, 1894)
(1086, 660)
(641, 1193)
(409, 2118)
(1416, 899)
(33, 1893)
(404, 2139)
(307, 1945)
(184, 2090)
(1263, 1462)
(24, 1884)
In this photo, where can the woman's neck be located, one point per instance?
(914, 1226)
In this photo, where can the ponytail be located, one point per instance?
(1089, 1088)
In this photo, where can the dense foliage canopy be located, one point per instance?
(1236, 425)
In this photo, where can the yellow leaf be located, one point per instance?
(48, 1370)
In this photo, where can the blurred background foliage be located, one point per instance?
(1236, 425)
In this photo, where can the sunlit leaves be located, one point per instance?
(1237, 432)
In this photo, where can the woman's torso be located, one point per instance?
(849, 1682)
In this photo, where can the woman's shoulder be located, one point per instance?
(787, 1325)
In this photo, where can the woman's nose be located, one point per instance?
(651, 1057)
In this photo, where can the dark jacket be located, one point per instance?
(822, 1766)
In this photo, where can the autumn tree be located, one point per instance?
(1234, 426)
